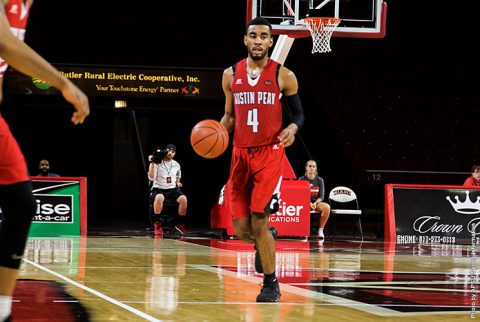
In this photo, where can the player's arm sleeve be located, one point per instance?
(321, 192)
(296, 108)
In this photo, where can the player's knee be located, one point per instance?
(242, 233)
(21, 207)
(182, 200)
(242, 228)
(18, 208)
(159, 198)
(327, 209)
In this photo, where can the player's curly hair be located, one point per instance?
(260, 21)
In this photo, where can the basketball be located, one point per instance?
(209, 139)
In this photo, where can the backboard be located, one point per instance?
(360, 18)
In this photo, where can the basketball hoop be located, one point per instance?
(321, 30)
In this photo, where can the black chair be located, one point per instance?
(344, 206)
(168, 216)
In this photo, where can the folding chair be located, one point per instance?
(344, 204)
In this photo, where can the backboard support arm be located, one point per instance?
(282, 48)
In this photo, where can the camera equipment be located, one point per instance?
(158, 155)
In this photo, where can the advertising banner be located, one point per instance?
(127, 82)
(60, 207)
(432, 214)
(292, 218)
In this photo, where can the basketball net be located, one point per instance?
(321, 30)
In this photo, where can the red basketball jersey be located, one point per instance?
(13, 168)
(257, 107)
(17, 14)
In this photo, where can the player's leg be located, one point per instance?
(265, 199)
(324, 210)
(8, 277)
(182, 205)
(243, 229)
(239, 195)
(182, 213)
(264, 242)
(265, 246)
(157, 198)
(18, 208)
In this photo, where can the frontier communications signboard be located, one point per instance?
(432, 214)
(291, 219)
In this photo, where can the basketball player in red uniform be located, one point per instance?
(16, 198)
(253, 109)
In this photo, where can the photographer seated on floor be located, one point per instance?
(165, 174)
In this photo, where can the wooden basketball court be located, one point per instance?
(138, 278)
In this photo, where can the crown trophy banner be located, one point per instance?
(467, 206)
(435, 214)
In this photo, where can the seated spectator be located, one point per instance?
(165, 174)
(474, 179)
(317, 195)
(44, 168)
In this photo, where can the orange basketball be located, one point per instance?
(209, 139)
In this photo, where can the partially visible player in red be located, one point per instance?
(474, 179)
(253, 88)
(16, 197)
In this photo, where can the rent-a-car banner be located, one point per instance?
(57, 211)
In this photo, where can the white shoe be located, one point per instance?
(320, 234)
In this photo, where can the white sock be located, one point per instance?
(5, 307)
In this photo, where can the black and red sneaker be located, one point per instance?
(181, 229)
(158, 228)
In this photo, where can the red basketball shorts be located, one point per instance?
(255, 179)
(13, 168)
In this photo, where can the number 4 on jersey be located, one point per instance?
(252, 119)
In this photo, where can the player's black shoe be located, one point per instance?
(258, 261)
(8, 319)
(269, 292)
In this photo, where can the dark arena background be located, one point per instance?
(402, 109)
(396, 119)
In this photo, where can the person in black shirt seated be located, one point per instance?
(317, 195)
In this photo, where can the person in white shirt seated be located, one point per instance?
(165, 174)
